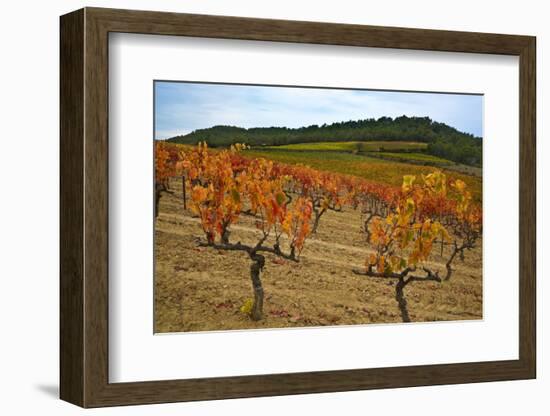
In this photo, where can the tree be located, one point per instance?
(443, 140)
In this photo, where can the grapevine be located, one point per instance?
(222, 185)
(404, 232)
(403, 226)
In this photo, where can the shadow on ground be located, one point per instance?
(51, 390)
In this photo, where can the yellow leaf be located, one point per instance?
(247, 306)
(459, 185)
(408, 181)
(410, 206)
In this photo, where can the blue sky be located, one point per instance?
(182, 107)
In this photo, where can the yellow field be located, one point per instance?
(374, 146)
(374, 169)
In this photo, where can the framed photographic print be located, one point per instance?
(255, 207)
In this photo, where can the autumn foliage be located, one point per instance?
(403, 226)
(166, 160)
(428, 212)
(222, 183)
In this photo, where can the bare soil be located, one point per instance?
(202, 289)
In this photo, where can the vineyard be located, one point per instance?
(242, 241)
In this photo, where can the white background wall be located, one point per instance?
(29, 159)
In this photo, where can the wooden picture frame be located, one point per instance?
(84, 207)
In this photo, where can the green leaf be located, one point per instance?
(235, 195)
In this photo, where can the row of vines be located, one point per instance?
(402, 226)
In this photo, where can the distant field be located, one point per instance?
(352, 146)
(374, 169)
(387, 167)
(420, 157)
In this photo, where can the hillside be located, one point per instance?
(442, 140)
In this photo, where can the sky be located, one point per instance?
(181, 108)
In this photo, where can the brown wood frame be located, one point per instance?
(84, 207)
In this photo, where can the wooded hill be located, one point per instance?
(443, 140)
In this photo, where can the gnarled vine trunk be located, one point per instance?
(184, 192)
(318, 215)
(158, 190)
(401, 300)
(225, 233)
(258, 262)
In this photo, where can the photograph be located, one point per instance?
(297, 206)
(252, 205)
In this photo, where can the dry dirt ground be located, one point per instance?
(202, 289)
